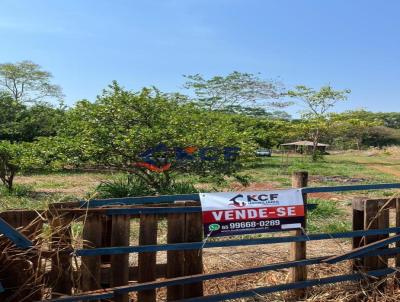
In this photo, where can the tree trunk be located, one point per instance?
(315, 145)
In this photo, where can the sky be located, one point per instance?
(349, 44)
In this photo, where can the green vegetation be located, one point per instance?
(327, 217)
(131, 186)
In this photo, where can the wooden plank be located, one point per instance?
(193, 258)
(175, 259)
(120, 231)
(106, 237)
(90, 267)
(298, 250)
(383, 222)
(61, 264)
(147, 261)
(370, 222)
(139, 200)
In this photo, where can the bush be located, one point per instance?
(8, 165)
(126, 186)
(131, 186)
(18, 190)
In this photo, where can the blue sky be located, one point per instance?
(351, 44)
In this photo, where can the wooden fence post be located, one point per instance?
(383, 223)
(370, 223)
(298, 249)
(120, 230)
(375, 217)
(175, 259)
(90, 267)
(61, 262)
(193, 258)
(147, 261)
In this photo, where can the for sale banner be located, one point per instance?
(234, 213)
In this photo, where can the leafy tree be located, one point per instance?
(317, 104)
(19, 122)
(380, 136)
(234, 90)
(14, 157)
(40, 120)
(350, 128)
(27, 82)
(115, 130)
(390, 119)
(8, 165)
(10, 117)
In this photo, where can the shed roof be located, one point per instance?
(304, 143)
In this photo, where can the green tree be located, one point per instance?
(350, 128)
(234, 91)
(27, 82)
(390, 119)
(19, 122)
(317, 104)
(10, 116)
(380, 136)
(120, 125)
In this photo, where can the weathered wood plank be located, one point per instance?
(61, 264)
(120, 231)
(90, 267)
(298, 250)
(147, 261)
(175, 259)
(371, 208)
(193, 258)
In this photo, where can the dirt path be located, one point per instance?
(383, 165)
(392, 170)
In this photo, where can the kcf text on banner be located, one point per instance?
(234, 213)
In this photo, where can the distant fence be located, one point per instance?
(104, 272)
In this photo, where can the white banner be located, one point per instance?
(230, 213)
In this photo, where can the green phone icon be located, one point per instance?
(214, 227)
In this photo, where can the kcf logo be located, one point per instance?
(156, 159)
(240, 200)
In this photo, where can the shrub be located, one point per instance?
(8, 163)
(131, 186)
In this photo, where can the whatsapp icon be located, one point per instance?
(214, 227)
